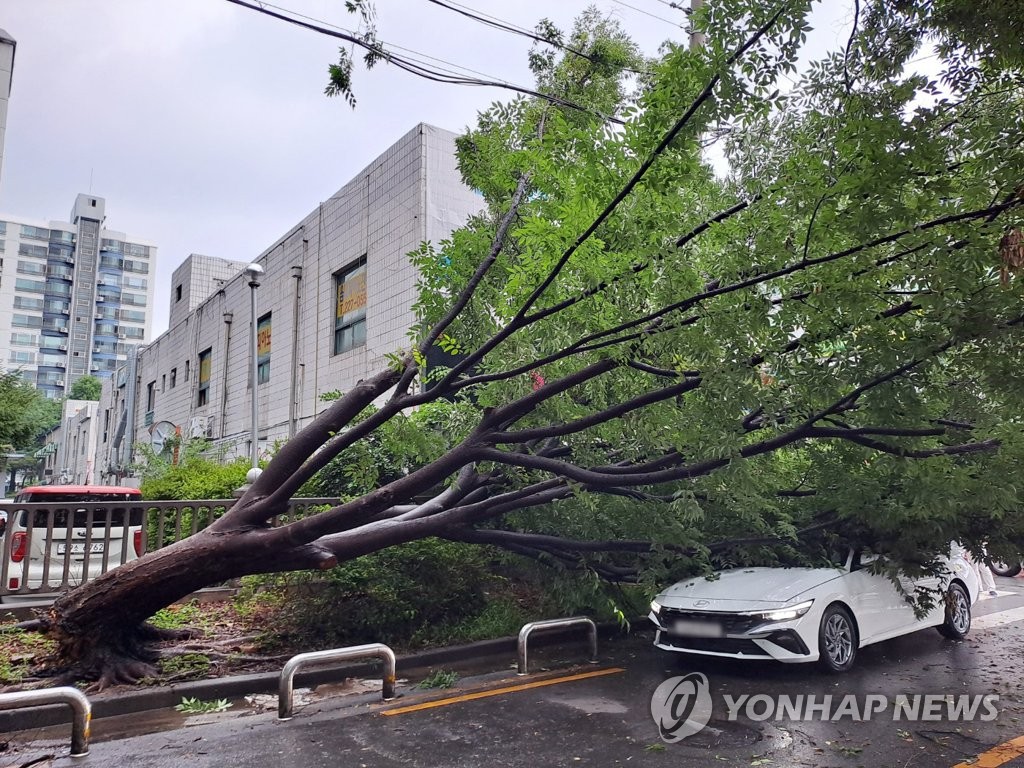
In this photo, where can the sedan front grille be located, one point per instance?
(731, 623)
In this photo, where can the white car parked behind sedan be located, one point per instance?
(798, 615)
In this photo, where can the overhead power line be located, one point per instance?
(675, 6)
(646, 13)
(411, 65)
(507, 26)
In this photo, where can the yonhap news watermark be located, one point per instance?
(683, 706)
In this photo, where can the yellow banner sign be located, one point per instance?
(351, 295)
(263, 338)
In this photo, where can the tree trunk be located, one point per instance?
(100, 626)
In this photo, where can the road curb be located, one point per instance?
(116, 702)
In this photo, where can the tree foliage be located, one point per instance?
(659, 359)
(86, 388)
(25, 413)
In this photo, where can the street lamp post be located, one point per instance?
(253, 272)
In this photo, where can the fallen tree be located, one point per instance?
(650, 357)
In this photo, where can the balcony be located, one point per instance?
(60, 273)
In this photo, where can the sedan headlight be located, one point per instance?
(655, 606)
(781, 614)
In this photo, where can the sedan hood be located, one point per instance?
(745, 588)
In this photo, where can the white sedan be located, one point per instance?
(800, 615)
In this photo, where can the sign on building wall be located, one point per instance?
(263, 349)
(351, 294)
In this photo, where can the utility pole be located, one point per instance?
(696, 38)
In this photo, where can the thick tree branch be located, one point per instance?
(280, 480)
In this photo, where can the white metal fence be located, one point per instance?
(50, 547)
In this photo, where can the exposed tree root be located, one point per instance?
(104, 657)
(173, 653)
(151, 633)
(32, 625)
(125, 672)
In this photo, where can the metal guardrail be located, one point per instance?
(576, 621)
(286, 683)
(81, 711)
(65, 544)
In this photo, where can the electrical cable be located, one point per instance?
(506, 26)
(412, 66)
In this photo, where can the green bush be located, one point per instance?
(398, 595)
(195, 477)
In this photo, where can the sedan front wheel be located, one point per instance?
(837, 639)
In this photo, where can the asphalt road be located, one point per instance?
(574, 714)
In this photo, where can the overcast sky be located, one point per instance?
(204, 124)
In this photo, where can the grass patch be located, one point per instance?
(187, 665)
(439, 678)
(20, 651)
(179, 616)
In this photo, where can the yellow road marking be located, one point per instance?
(997, 756)
(500, 691)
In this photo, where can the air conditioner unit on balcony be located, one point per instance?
(59, 382)
(62, 329)
(60, 364)
(62, 347)
(211, 422)
(122, 335)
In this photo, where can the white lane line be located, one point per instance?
(998, 619)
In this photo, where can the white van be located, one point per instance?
(65, 535)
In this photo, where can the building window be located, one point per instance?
(27, 249)
(26, 321)
(263, 349)
(134, 299)
(35, 233)
(177, 293)
(174, 377)
(205, 367)
(151, 396)
(31, 268)
(33, 286)
(27, 302)
(188, 366)
(22, 357)
(163, 383)
(350, 307)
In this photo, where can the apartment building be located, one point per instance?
(75, 297)
(335, 298)
(8, 47)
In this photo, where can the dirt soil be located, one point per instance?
(228, 638)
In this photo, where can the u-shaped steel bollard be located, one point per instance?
(524, 635)
(286, 684)
(81, 711)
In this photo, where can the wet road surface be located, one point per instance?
(570, 713)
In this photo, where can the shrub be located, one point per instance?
(391, 596)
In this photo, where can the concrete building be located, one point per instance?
(74, 297)
(69, 453)
(335, 298)
(7, 50)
